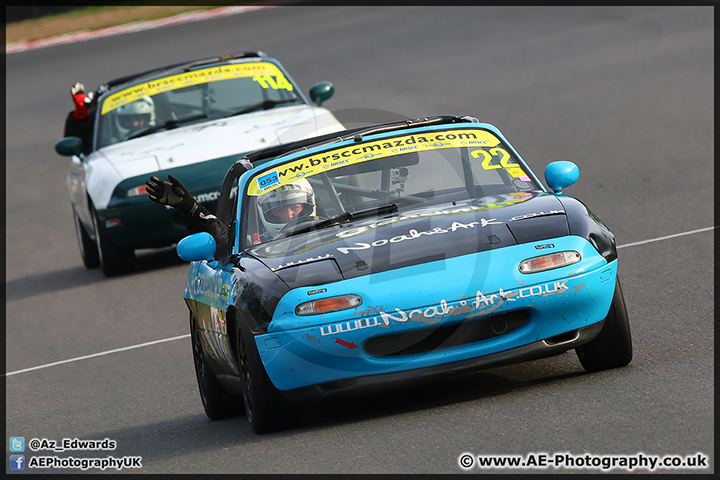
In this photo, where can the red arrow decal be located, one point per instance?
(345, 344)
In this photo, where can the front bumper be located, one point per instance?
(464, 312)
(379, 382)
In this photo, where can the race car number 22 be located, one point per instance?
(488, 157)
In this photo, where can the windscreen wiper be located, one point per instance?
(167, 125)
(264, 105)
(344, 218)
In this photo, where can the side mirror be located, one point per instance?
(197, 247)
(321, 92)
(561, 174)
(69, 146)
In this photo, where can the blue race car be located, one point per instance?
(418, 248)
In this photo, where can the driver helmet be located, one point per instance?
(286, 203)
(135, 116)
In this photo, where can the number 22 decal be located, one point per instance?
(488, 157)
(276, 83)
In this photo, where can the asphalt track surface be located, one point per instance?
(625, 92)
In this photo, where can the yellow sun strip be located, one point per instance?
(187, 79)
(352, 154)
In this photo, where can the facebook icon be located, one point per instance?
(17, 462)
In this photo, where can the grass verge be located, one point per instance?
(92, 18)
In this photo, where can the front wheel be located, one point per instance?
(88, 248)
(114, 260)
(218, 404)
(265, 410)
(612, 347)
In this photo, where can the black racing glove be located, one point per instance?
(171, 193)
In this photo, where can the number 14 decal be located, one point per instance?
(276, 83)
(488, 157)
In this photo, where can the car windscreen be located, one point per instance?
(382, 176)
(191, 97)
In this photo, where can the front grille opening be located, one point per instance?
(437, 338)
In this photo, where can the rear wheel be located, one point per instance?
(612, 347)
(218, 404)
(114, 260)
(266, 411)
(88, 248)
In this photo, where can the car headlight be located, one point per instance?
(549, 261)
(327, 305)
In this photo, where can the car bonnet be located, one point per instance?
(413, 237)
(208, 140)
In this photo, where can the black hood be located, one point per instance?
(412, 237)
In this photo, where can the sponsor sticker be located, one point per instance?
(267, 181)
(481, 305)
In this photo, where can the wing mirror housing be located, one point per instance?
(321, 92)
(69, 146)
(197, 247)
(561, 174)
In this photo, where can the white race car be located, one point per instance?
(191, 120)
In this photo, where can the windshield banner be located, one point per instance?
(352, 154)
(262, 70)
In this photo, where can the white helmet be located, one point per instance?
(135, 116)
(297, 193)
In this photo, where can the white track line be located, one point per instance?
(691, 232)
(187, 335)
(98, 354)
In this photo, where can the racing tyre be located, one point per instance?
(612, 347)
(265, 410)
(114, 260)
(88, 249)
(218, 404)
